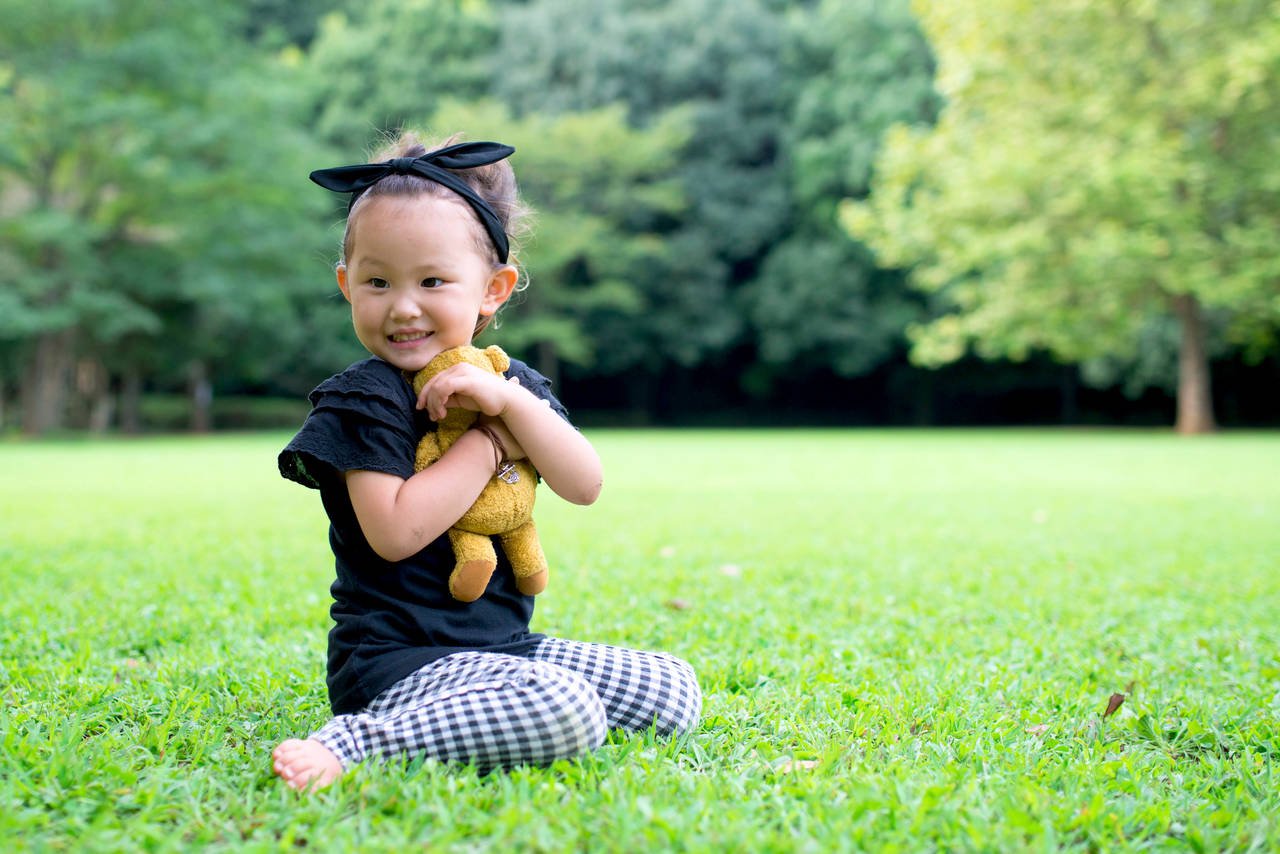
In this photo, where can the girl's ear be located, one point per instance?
(501, 284)
(341, 272)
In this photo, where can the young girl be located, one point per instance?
(426, 263)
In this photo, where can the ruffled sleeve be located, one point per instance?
(361, 419)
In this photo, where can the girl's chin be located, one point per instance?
(411, 362)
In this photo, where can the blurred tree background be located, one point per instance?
(749, 211)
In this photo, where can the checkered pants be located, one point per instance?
(495, 711)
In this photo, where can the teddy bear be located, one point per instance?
(505, 506)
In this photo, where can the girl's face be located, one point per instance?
(416, 278)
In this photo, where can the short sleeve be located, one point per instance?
(538, 384)
(362, 419)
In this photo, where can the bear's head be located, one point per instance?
(491, 359)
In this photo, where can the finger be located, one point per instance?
(447, 398)
(436, 397)
(443, 376)
(441, 403)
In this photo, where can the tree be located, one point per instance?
(150, 188)
(819, 298)
(389, 63)
(285, 22)
(597, 186)
(1097, 164)
(720, 61)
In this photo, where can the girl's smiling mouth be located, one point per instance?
(408, 337)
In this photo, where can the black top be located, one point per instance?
(392, 618)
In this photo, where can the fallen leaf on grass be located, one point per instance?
(1038, 729)
(1116, 701)
(792, 765)
(678, 604)
(731, 569)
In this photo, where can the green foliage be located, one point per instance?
(913, 655)
(386, 64)
(819, 300)
(170, 413)
(149, 163)
(1093, 161)
(864, 67)
(156, 225)
(279, 23)
(95, 105)
(598, 188)
(787, 106)
(721, 61)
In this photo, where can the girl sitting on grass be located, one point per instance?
(426, 263)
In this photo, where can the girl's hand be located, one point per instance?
(468, 387)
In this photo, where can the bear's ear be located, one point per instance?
(497, 357)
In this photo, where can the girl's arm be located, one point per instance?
(399, 517)
(562, 455)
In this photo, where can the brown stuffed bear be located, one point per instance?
(504, 508)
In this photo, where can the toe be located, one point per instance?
(291, 745)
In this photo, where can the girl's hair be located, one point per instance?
(495, 183)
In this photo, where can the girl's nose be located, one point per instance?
(405, 306)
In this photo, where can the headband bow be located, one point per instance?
(433, 165)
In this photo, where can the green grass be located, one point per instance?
(906, 641)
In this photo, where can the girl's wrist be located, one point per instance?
(520, 401)
(499, 450)
(513, 395)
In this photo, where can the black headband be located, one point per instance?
(433, 165)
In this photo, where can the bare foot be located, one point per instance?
(305, 764)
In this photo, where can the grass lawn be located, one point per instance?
(907, 640)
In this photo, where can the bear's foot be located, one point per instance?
(532, 585)
(469, 580)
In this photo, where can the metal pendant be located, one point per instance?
(508, 473)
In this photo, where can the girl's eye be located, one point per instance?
(379, 283)
(432, 282)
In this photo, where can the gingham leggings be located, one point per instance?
(496, 711)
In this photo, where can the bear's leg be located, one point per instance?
(475, 563)
(527, 560)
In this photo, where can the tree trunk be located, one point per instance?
(201, 394)
(94, 397)
(102, 410)
(45, 383)
(131, 402)
(1195, 397)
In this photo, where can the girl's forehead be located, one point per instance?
(393, 215)
(392, 224)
